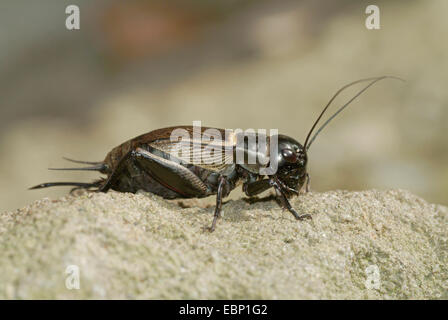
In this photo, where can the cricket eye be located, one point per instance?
(289, 155)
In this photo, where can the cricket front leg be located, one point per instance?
(307, 186)
(285, 202)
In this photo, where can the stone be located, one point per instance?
(359, 245)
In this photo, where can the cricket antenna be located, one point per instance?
(372, 82)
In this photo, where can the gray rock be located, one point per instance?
(359, 245)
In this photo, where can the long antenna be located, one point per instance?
(373, 81)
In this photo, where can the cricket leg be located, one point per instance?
(307, 186)
(253, 188)
(167, 173)
(285, 203)
(219, 196)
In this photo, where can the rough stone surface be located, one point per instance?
(141, 246)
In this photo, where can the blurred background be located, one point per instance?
(136, 65)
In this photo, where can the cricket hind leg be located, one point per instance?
(140, 169)
(171, 175)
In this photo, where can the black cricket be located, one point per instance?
(145, 163)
